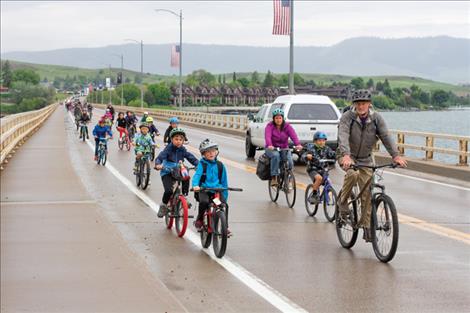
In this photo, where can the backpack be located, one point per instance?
(263, 169)
(220, 169)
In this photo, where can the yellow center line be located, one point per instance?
(403, 219)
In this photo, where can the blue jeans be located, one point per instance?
(276, 157)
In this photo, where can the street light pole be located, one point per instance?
(180, 15)
(141, 70)
(121, 56)
(109, 89)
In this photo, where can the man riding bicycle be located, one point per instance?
(277, 134)
(359, 130)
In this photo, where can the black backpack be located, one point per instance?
(263, 169)
(220, 169)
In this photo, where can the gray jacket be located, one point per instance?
(358, 142)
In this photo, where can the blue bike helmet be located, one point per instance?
(278, 112)
(319, 135)
(174, 120)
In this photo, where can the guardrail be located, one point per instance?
(15, 128)
(238, 124)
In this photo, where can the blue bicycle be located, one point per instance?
(327, 194)
(102, 151)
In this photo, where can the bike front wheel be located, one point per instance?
(145, 174)
(310, 207)
(181, 216)
(206, 231)
(273, 191)
(138, 174)
(219, 239)
(169, 217)
(329, 203)
(290, 189)
(384, 228)
(346, 228)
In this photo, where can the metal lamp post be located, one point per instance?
(180, 15)
(122, 76)
(141, 69)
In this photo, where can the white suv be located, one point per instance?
(306, 113)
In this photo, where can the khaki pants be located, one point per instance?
(360, 177)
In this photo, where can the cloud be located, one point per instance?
(42, 25)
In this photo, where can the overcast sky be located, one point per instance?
(43, 25)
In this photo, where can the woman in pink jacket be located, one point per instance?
(276, 135)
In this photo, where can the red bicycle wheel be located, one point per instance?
(181, 216)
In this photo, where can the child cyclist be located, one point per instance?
(169, 159)
(153, 131)
(143, 143)
(99, 132)
(315, 152)
(85, 119)
(121, 125)
(210, 173)
(173, 124)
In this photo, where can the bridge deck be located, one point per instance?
(59, 208)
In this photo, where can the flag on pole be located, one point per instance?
(281, 17)
(175, 56)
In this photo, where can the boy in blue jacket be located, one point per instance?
(167, 160)
(210, 173)
(99, 132)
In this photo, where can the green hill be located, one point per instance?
(52, 71)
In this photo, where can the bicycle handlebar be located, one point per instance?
(373, 167)
(218, 189)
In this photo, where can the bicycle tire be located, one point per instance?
(347, 233)
(98, 159)
(145, 174)
(121, 143)
(181, 218)
(311, 208)
(329, 203)
(390, 223)
(168, 218)
(128, 144)
(138, 177)
(273, 191)
(105, 157)
(219, 237)
(206, 236)
(290, 191)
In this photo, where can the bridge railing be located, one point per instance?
(239, 123)
(16, 127)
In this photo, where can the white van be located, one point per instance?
(306, 113)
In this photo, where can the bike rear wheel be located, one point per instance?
(384, 228)
(206, 236)
(290, 189)
(138, 176)
(181, 216)
(128, 144)
(145, 174)
(219, 237)
(346, 229)
(311, 208)
(273, 191)
(329, 203)
(121, 143)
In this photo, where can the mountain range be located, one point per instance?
(441, 58)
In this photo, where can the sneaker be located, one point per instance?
(96, 158)
(198, 224)
(367, 236)
(162, 210)
(314, 198)
(274, 181)
(87, 137)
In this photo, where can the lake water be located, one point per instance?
(454, 122)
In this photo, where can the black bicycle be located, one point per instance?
(214, 222)
(142, 172)
(384, 219)
(286, 183)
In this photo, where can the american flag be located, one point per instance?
(175, 56)
(281, 17)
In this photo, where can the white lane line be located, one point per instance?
(265, 291)
(48, 202)
(429, 181)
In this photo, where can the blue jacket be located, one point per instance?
(100, 131)
(171, 156)
(212, 176)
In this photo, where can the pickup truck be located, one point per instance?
(306, 113)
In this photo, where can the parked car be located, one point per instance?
(306, 113)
